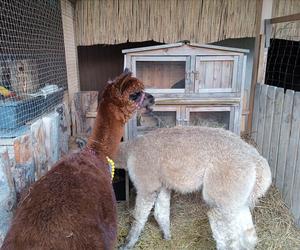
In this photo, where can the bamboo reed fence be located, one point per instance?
(169, 21)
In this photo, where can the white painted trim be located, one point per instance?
(174, 45)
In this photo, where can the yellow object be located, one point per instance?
(5, 92)
(112, 167)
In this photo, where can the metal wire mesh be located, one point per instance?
(32, 60)
(283, 64)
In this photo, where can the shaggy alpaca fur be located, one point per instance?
(73, 206)
(230, 172)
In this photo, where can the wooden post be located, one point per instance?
(264, 11)
(68, 17)
(7, 193)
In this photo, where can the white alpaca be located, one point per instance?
(230, 172)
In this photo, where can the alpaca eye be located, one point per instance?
(134, 96)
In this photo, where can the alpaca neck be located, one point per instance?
(106, 134)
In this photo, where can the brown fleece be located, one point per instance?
(73, 206)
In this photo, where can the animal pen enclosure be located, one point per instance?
(33, 76)
(32, 61)
(34, 119)
(276, 114)
(193, 85)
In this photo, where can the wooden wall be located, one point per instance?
(276, 130)
(68, 15)
(99, 63)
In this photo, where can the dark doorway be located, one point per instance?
(99, 63)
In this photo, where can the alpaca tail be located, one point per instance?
(121, 157)
(263, 179)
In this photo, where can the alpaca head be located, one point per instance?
(125, 94)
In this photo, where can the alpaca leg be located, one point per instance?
(143, 206)
(233, 230)
(162, 212)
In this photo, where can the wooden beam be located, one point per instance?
(264, 11)
(284, 19)
(255, 64)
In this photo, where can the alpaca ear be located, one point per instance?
(127, 71)
(122, 83)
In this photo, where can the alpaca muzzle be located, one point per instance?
(146, 101)
(140, 102)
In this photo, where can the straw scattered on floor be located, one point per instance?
(190, 227)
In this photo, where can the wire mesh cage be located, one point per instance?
(283, 64)
(32, 60)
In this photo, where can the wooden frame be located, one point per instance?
(193, 54)
(200, 59)
(162, 108)
(185, 59)
(234, 110)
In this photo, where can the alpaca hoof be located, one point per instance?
(124, 247)
(167, 237)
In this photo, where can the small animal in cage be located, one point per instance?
(24, 76)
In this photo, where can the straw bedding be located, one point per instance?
(190, 227)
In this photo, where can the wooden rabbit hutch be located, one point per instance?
(193, 85)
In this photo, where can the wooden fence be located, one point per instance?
(276, 131)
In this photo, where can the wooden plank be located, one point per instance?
(274, 144)
(205, 100)
(268, 121)
(295, 207)
(5, 166)
(261, 116)
(255, 63)
(244, 94)
(51, 128)
(255, 112)
(64, 128)
(7, 193)
(174, 45)
(292, 152)
(284, 138)
(84, 102)
(23, 169)
(189, 76)
(200, 75)
(195, 96)
(236, 73)
(217, 80)
(171, 45)
(236, 124)
(227, 71)
(284, 19)
(232, 118)
(23, 149)
(209, 74)
(38, 135)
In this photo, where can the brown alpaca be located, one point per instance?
(73, 206)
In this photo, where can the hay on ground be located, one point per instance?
(190, 227)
